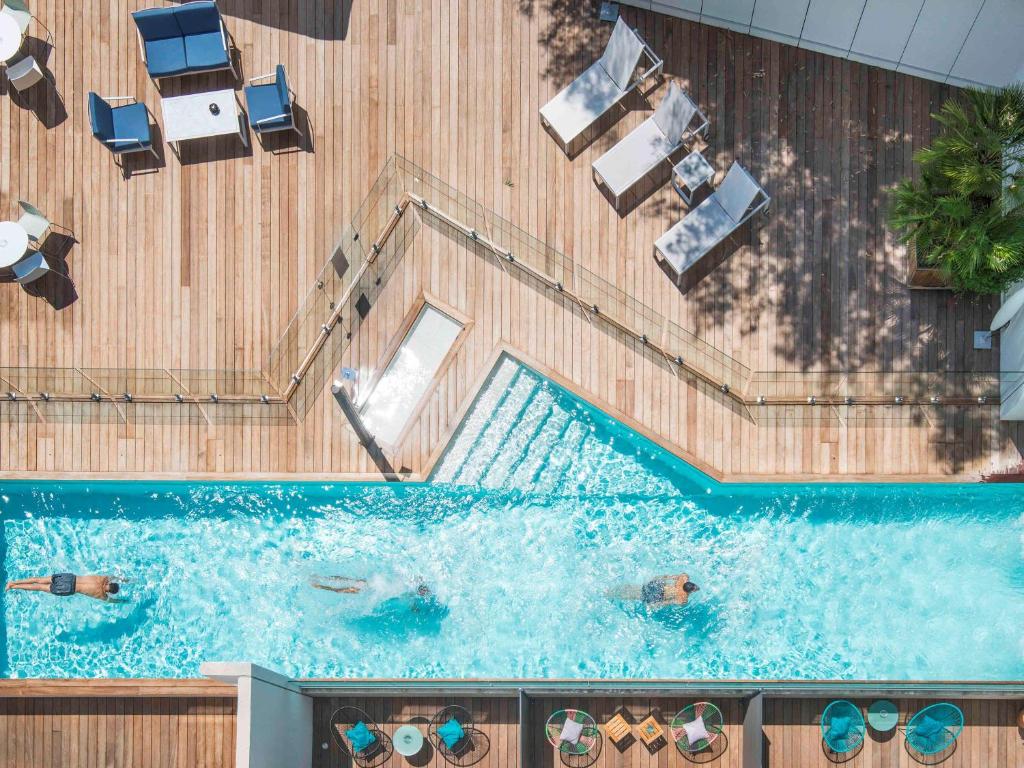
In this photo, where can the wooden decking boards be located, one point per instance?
(725, 752)
(990, 737)
(201, 263)
(121, 732)
(142, 731)
(495, 723)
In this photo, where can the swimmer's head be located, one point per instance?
(113, 588)
(689, 587)
(422, 590)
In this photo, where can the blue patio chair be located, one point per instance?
(121, 129)
(270, 104)
(183, 40)
(935, 728)
(842, 726)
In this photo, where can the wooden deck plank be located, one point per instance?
(202, 264)
(113, 731)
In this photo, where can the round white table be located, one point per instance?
(408, 740)
(13, 243)
(10, 37)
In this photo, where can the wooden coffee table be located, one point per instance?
(201, 115)
(650, 731)
(617, 729)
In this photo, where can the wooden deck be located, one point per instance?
(725, 752)
(201, 263)
(990, 737)
(135, 732)
(496, 734)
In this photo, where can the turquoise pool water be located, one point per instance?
(541, 505)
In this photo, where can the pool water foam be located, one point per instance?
(541, 505)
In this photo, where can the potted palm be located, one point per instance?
(963, 221)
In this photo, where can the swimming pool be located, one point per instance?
(541, 505)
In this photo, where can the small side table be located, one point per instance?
(689, 174)
(883, 715)
(650, 731)
(408, 740)
(617, 729)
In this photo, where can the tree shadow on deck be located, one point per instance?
(820, 285)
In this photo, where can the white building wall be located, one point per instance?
(274, 719)
(962, 42)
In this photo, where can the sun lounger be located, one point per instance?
(601, 86)
(650, 143)
(736, 200)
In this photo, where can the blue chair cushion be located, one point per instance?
(166, 57)
(282, 87)
(451, 733)
(928, 727)
(264, 101)
(360, 736)
(101, 117)
(205, 51)
(839, 728)
(131, 122)
(197, 18)
(157, 23)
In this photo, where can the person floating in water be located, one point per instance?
(659, 592)
(67, 584)
(350, 586)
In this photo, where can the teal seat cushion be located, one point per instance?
(197, 17)
(266, 108)
(166, 57)
(205, 51)
(131, 121)
(839, 728)
(157, 23)
(451, 733)
(360, 736)
(928, 727)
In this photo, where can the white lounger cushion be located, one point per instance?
(648, 144)
(585, 99)
(675, 112)
(700, 230)
(634, 157)
(710, 222)
(737, 191)
(596, 91)
(622, 54)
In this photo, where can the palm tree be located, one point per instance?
(966, 214)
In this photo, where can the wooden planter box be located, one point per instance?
(919, 277)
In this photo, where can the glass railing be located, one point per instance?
(357, 271)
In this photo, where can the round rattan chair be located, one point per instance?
(344, 719)
(713, 723)
(935, 728)
(588, 739)
(459, 749)
(852, 736)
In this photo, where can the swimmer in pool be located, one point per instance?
(67, 584)
(349, 586)
(659, 592)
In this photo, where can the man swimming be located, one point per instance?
(349, 586)
(67, 584)
(659, 592)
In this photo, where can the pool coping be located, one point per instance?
(501, 349)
